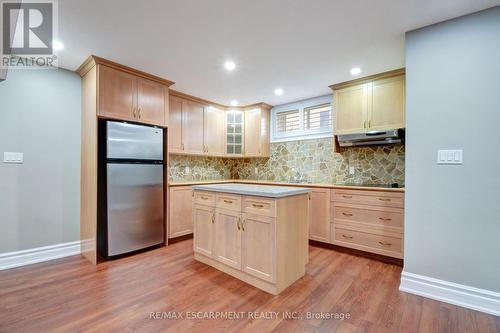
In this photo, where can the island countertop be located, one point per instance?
(255, 190)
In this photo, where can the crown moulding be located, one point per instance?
(94, 60)
(384, 75)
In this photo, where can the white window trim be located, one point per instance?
(302, 134)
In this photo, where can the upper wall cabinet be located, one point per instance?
(370, 104)
(201, 128)
(257, 132)
(124, 93)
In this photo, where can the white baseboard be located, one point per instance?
(39, 254)
(453, 293)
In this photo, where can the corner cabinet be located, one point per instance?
(201, 128)
(370, 104)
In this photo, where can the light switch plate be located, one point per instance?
(13, 157)
(450, 156)
(351, 170)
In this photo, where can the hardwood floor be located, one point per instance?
(70, 295)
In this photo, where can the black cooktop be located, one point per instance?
(392, 185)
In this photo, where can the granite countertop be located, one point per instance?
(274, 183)
(253, 189)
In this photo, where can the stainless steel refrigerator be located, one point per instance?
(131, 188)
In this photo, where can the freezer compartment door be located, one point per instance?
(135, 207)
(129, 141)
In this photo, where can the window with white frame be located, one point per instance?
(302, 120)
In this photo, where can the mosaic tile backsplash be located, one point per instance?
(308, 160)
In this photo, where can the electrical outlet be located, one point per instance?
(352, 170)
(13, 157)
(256, 170)
(187, 170)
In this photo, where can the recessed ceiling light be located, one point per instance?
(234, 102)
(355, 71)
(278, 91)
(229, 65)
(57, 45)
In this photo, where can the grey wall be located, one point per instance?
(40, 113)
(452, 223)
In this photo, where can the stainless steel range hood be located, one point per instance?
(371, 138)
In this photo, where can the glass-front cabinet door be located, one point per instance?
(234, 133)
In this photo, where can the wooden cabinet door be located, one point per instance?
(227, 248)
(214, 131)
(259, 246)
(252, 133)
(319, 215)
(193, 128)
(150, 102)
(117, 94)
(203, 223)
(176, 106)
(181, 211)
(387, 107)
(351, 109)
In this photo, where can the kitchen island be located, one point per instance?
(256, 233)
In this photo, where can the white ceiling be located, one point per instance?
(301, 46)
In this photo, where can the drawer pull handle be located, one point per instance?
(258, 206)
(204, 198)
(213, 218)
(385, 243)
(384, 199)
(346, 214)
(385, 219)
(238, 223)
(243, 225)
(347, 196)
(228, 201)
(348, 237)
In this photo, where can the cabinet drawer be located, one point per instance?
(372, 216)
(375, 198)
(228, 201)
(259, 206)
(386, 245)
(204, 198)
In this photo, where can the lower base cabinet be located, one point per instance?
(180, 221)
(370, 221)
(261, 241)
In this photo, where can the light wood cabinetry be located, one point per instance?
(181, 211)
(351, 107)
(214, 131)
(370, 221)
(387, 104)
(124, 96)
(267, 250)
(319, 215)
(117, 94)
(193, 128)
(370, 104)
(257, 124)
(259, 244)
(151, 102)
(204, 220)
(228, 237)
(175, 125)
(198, 127)
(112, 91)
